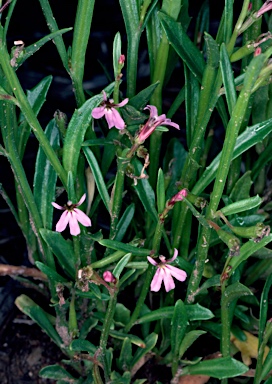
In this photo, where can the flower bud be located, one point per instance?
(108, 277)
(178, 197)
(122, 59)
(256, 232)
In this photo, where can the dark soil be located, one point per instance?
(24, 350)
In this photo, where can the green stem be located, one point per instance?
(222, 173)
(118, 188)
(29, 114)
(132, 62)
(53, 27)
(141, 299)
(80, 41)
(148, 277)
(156, 99)
(106, 329)
(21, 180)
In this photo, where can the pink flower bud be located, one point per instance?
(122, 59)
(178, 197)
(108, 277)
(258, 51)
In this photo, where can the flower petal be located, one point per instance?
(179, 274)
(169, 122)
(104, 95)
(124, 102)
(98, 112)
(174, 256)
(58, 206)
(73, 224)
(153, 110)
(168, 280)
(82, 217)
(157, 280)
(152, 261)
(109, 117)
(63, 221)
(81, 200)
(117, 119)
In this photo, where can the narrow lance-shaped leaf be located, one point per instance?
(76, 130)
(45, 178)
(250, 137)
(98, 177)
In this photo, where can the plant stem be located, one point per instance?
(28, 112)
(117, 193)
(148, 277)
(106, 329)
(80, 41)
(222, 173)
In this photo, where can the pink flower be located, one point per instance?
(267, 6)
(108, 277)
(178, 197)
(107, 109)
(72, 216)
(153, 122)
(165, 272)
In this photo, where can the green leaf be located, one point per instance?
(121, 314)
(178, 329)
(33, 48)
(188, 340)
(118, 246)
(182, 44)
(242, 205)
(242, 187)
(124, 361)
(124, 222)
(62, 249)
(145, 191)
(37, 314)
(121, 265)
(121, 336)
(140, 100)
(51, 273)
(195, 312)
(150, 343)
(160, 191)
(56, 372)
(250, 137)
(99, 180)
(117, 44)
(76, 130)
(247, 250)
(221, 368)
(37, 95)
(80, 345)
(45, 177)
(228, 78)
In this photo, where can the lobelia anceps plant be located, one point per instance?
(143, 191)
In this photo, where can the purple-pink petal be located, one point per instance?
(124, 102)
(168, 280)
(81, 200)
(174, 256)
(152, 261)
(82, 217)
(58, 206)
(104, 96)
(179, 274)
(117, 119)
(73, 224)
(169, 122)
(153, 110)
(63, 221)
(157, 280)
(98, 112)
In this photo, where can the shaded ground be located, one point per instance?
(24, 351)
